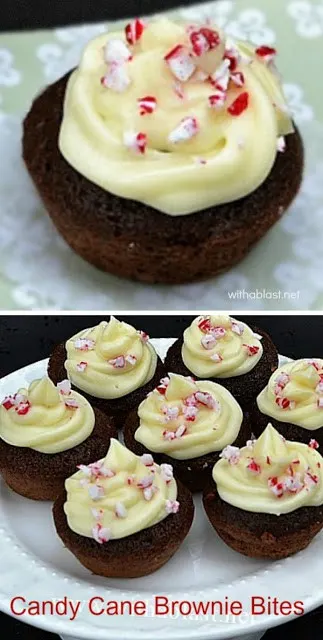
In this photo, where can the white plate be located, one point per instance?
(35, 564)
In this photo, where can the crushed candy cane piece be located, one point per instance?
(190, 412)
(145, 482)
(310, 479)
(131, 359)
(208, 341)
(187, 129)
(84, 344)
(285, 403)
(276, 487)
(8, 402)
(218, 332)
(207, 400)
(204, 40)
(319, 387)
(136, 142)
(96, 491)
(148, 492)
(178, 90)
(237, 328)
(117, 78)
(180, 63)
(190, 401)
(134, 30)
(239, 105)
(293, 484)
(144, 336)
(131, 479)
(221, 77)
(282, 380)
(64, 387)
(237, 78)
(147, 459)
(147, 105)
(217, 99)
(22, 408)
(252, 350)
(171, 506)
(231, 454)
(216, 357)
(121, 511)
(81, 366)
(204, 325)
(257, 336)
(313, 444)
(180, 432)
(281, 144)
(170, 413)
(169, 435)
(266, 53)
(101, 534)
(118, 362)
(254, 467)
(166, 472)
(232, 55)
(320, 403)
(71, 403)
(97, 513)
(116, 51)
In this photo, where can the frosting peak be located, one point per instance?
(110, 360)
(295, 394)
(187, 419)
(270, 475)
(46, 418)
(220, 347)
(119, 495)
(163, 111)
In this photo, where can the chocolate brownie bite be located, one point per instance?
(112, 364)
(293, 402)
(187, 424)
(266, 499)
(125, 517)
(230, 353)
(160, 161)
(45, 432)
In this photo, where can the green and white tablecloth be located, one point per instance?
(37, 269)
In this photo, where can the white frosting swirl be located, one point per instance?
(110, 360)
(270, 475)
(294, 394)
(119, 495)
(44, 419)
(220, 347)
(188, 419)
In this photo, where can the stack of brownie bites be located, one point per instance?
(218, 416)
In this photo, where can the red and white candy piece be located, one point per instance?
(168, 435)
(22, 408)
(237, 328)
(208, 341)
(203, 40)
(97, 513)
(116, 51)
(293, 484)
(84, 344)
(8, 402)
(217, 99)
(96, 470)
(281, 144)
(170, 413)
(171, 506)
(231, 454)
(144, 336)
(207, 400)
(117, 363)
(187, 129)
(237, 78)
(277, 487)
(216, 357)
(163, 386)
(190, 401)
(181, 431)
(81, 366)
(267, 54)
(239, 105)
(204, 324)
(136, 142)
(131, 359)
(313, 444)
(149, 492)
(252, 350)
(218, 332)
(180, 63)
(131, 480)
(285, 403)
(147, 460)
(145, 482)
(96, 491)
(320, 403)
(221, 77)
(64, 387)
(147, 105)
(166, 472)
(319, 387)
(117, 78)
(120, 510)
(254, 467)
(71, 403)
(310, 479)
(233, 56)
(178, 90)
(281, 382)
(134, 31)
(190, 413)
(101, 534)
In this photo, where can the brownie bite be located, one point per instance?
(125, 539)
(266, 499)
(230, 353)
(45, 434)
(159, 202)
